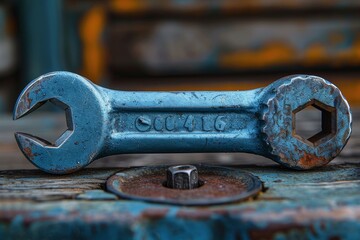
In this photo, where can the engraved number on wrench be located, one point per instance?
(173, 123)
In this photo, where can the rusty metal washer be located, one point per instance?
(219, 185)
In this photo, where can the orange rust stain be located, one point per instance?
(316, 54)
(28, 152)
(91, 28)
(350, 56)
(136, 6)
(154, 214)
(356, 48)
(128, 6)
(310, 161)
(350, 88)
(28, 100)
(143, 6)
(275, 53)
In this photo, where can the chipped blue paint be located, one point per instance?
(104, 122)
(319, 204)
(134, 220)
(96, 195)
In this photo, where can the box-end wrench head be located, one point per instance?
(104, 122)
(295, 94)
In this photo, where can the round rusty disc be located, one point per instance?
(218, 185)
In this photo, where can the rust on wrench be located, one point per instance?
(104, 122)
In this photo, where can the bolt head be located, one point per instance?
(182, 177)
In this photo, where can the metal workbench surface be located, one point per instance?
(318, 204)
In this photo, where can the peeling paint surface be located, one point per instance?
(321, 204)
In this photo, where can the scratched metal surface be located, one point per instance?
(259, 121)
(318, 204)
(50, 126)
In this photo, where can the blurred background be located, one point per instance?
(171, 45)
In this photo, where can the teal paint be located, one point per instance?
(289, 209)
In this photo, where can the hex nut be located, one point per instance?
(182, 177)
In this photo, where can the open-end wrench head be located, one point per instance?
(291, 95)
(83, 105)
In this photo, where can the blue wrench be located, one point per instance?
(103, 122)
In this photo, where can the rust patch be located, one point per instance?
(271, 54)
(194, 215)
(28, 99)
(154, 214)
(29, 153)
(220, 185)
(309, 160)
(205, 214)
(214, 186)
(271, 232)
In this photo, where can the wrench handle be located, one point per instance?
(157, 122)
